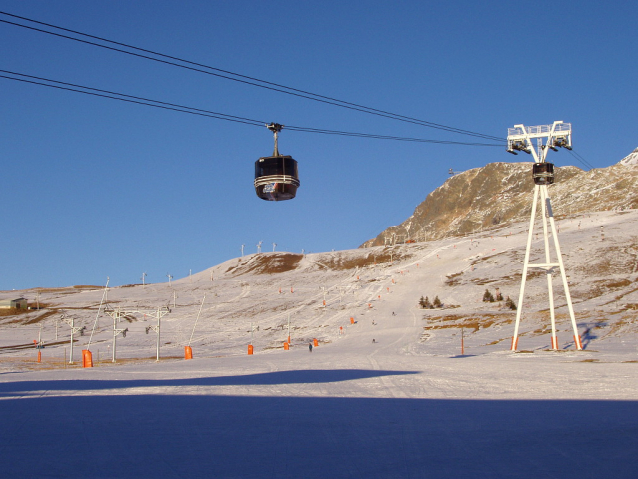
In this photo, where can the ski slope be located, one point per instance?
(388, 396)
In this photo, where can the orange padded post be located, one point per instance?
(188, 352)
(286, 346)
(250, 349)
(39, 356)
(87, 359)
(315, 342)
(351, 320)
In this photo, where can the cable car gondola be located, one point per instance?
(543, 173)
(276, 176)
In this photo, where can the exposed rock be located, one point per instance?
(501, 193)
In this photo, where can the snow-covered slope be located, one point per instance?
(389, 395)
(267, 290)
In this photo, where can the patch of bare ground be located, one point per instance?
(492, 257)
(12, 311)
(50, 363)
(339, 262)
(67, 289)
(40, 317)
(31, 345)
(622, 322)
(23, 316)
(267, 263)
(600, 287)
(620, 296)
(613, 259)
(473, 322)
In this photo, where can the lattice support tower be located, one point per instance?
(520, 139)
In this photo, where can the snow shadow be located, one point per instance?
(255, 437)
(303, 376)
(589, 334)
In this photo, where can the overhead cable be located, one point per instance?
(581, 159)
(194, 66)
(202, 112)
(124, 97)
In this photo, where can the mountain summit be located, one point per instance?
(631, 159)
(501, 193)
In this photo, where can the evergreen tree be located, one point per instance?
(488, 297)
(510, 304)
(422, 302)
(427, 304)
(499, 296)
(437, 302)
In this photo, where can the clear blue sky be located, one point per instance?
(94, 187)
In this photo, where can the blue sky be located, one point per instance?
(94, 187)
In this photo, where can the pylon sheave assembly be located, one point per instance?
(548, 137)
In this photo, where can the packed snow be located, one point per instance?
(387, 392)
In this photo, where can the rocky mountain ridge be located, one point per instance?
(499, 194)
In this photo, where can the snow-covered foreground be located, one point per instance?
(407, 404)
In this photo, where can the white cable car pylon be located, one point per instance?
(520, 139)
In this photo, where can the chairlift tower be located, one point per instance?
(548, 137)
(156, 327)
(74, 329)
(117, 315)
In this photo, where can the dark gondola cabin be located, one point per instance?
(543, 173)
(276, 176)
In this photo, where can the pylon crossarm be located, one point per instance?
(545, 266)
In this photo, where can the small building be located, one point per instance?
(19, 303)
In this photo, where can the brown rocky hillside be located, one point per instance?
(501, 193)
